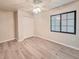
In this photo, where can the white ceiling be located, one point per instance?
(28, 4)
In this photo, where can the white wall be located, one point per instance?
(25, 25)
(6, 26)
(43, 26)
(15, 25)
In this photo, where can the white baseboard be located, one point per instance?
(75, 48)
(25, 38)
(19, 40)
(7, 40)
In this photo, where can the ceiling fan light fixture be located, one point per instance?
(36, 10)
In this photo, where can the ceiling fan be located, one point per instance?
(37, 8)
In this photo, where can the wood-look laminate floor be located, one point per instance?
(36, 48)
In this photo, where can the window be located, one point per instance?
(64, 22)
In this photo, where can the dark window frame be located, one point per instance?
(61, 21)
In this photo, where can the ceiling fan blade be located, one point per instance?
(37, 1)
